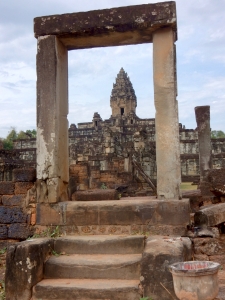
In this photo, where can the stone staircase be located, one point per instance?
(92, 267)
(103, 252)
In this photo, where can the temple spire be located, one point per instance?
(123, 99)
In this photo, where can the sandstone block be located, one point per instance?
(48, 214)
(19, 231)
(94, 195)
(24, 267)
(15, 200)
(10, 215)
(210, 215)
(7, 188)
(23, 187)
(159, 253)
(24, 175)
(3, 232)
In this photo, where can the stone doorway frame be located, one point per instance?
(56, 35)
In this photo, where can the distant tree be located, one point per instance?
(8, 141)
(217, 134)
(31, 133)
(13, 135)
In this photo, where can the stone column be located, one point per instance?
(202, 114)
(166, 119)
(52, 124)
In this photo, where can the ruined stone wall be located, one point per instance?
(16, 217)
(17, 158)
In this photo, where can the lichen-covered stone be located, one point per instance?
(115, 26)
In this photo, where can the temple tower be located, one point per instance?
(123, 100)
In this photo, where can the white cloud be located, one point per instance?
(200, 58)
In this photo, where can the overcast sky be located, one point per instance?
(92, 72)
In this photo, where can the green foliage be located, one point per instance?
(217, 134)
(103, 186)
(2, 290)
(3, 250)
(50, 232)
(13, 135)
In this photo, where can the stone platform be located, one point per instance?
(125, 216)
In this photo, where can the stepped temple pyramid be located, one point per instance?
(118, 151)
(117, 247)
(104, 151)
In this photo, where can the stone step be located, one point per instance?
(126, 216)
(96, 266)
(86, 289)
(100, 244)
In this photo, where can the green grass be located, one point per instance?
(186, 186)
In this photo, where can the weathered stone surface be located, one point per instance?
(19, 231)
(108, 27)
(3, 232)
(216, 177)
(209, 246)
(10, 215)
(94, 266)
(52, 123)
(100, 244)
(7, 188)
(80, 289)
(123, 92)
(210, 215)
(23, 187)
(24, 267)
(49, 215)
(140, 211)
(167, 128)
(22, 175)
(95, 195)
(159, 253)
(15, 200)
(202, 114)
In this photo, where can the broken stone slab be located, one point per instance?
(210, 216)
(95, 195)
(24, 267)
(108, 27)
(158, 254)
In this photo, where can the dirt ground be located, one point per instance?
(221, 275)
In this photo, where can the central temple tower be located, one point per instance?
(123, 100)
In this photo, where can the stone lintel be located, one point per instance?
(108, 27)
